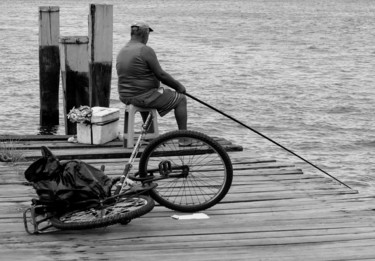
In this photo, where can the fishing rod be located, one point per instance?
(264, 136)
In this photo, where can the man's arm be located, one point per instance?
(152, 61)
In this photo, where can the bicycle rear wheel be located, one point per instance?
(123, 210)
(192, 178)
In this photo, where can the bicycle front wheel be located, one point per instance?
(123, 210)
(193, 171)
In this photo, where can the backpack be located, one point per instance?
(70, 182)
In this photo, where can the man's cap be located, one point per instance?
(141, 25)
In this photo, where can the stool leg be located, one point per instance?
(129, 132)
(126, 127)
(129, 129)
(126, 124)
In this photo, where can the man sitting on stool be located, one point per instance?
(139, 76)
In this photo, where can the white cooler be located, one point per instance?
(103, 127)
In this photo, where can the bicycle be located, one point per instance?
(185, 171)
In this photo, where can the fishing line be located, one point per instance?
(264, 136)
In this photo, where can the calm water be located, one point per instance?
(299, 71)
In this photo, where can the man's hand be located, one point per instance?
(181, 89)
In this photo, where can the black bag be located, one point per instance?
(71, 182)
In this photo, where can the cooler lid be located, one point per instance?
(101, 114)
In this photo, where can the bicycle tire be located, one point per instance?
(210, 171)
(123, 210)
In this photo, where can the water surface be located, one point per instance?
(299, 71)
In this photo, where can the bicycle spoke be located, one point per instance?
(207, 179)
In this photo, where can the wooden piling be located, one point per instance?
(100, 53)
(75, 75)
(49, 64)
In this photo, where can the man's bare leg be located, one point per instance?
(180, 112)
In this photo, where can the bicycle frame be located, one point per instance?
(124, 180)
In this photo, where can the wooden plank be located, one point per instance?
(42, 139)
(65, 150)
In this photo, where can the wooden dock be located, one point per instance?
(273, 211)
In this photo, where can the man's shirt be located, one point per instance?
(135, 78)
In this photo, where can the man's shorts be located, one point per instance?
(163, 100)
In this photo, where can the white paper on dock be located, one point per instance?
(192, 216)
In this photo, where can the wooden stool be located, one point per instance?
(130, 112)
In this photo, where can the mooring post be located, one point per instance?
(75, 75)
(100, 53)
(49, 64)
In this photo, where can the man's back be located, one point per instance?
(134, 75)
